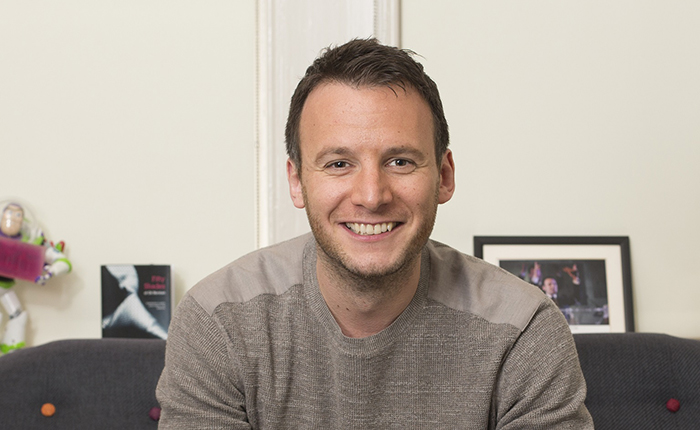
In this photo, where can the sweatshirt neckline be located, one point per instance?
(371, 344)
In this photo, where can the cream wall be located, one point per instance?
(129, 128)
(575, 118)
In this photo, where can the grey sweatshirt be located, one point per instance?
(254, 346)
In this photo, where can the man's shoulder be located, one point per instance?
(270, 270)
(469, 284)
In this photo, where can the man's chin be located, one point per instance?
(372, 269)
(372, 273)
(378, 261)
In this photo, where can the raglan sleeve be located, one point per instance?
(200, 386)
(541, 385)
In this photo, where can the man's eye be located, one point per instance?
(399, 162)
(337, 165)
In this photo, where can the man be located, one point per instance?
(365, 323)
(550, 288)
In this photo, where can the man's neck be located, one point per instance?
(364, 307)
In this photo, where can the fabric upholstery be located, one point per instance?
(110, 383)
(93, 384)
(631, 377)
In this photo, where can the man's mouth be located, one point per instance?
(370, 229)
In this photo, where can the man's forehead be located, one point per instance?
(333, 101)
(344, 119)
(394, 88)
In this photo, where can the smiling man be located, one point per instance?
(370, 181)
(366, 323)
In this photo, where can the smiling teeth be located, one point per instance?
(370, 229)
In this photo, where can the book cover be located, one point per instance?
(137, 301)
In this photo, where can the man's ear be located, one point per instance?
(447, 178)
(294, 180)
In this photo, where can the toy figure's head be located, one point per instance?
(12, 220)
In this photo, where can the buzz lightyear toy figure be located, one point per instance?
(24, 254)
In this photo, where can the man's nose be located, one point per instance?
(371, 189)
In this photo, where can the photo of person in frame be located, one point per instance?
(578, 287)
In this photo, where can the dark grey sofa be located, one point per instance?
(93, 384)
(632, 376)
(110, 383)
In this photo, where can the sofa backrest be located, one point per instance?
(631, 378)
(110, 383)
(92, 383)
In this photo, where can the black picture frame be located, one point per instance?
(613, 251)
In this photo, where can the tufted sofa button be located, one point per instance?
(154, 413)
(673, 405)
(48, 409)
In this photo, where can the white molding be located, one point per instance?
(291, 33)
(387, 22)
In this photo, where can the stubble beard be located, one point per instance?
(340, 264)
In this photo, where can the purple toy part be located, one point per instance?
(19, 260)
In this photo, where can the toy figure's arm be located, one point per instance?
(56, 263)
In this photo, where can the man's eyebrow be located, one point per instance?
(338, 150)
(393, 151)
(405, 150)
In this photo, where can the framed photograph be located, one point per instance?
(589, 278)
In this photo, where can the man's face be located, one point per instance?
(550, 287)
(369, 179)
(12, 218)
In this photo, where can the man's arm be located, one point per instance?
(198, 387)
(541, 385)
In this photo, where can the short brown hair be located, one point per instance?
(366, 62)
